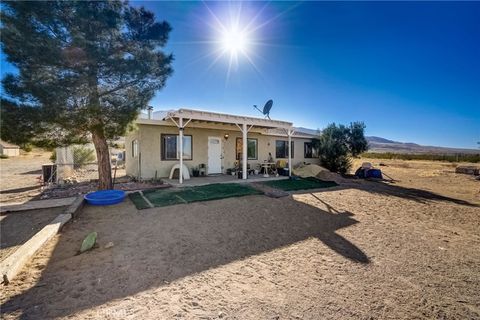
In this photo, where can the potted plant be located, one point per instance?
(196, 172)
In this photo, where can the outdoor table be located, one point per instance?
(267, 166)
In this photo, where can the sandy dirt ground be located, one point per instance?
(17, 227)
(362, 250)
(18, 175)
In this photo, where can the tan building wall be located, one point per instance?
(148, 161)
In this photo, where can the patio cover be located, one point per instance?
(182, 117)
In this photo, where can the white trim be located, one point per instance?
(227, 118)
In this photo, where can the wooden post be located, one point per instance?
(245, 156)
(180, 143)
(290, 152)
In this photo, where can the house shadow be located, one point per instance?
(394, 190)
(156, 246)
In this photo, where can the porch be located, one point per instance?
(220, 178)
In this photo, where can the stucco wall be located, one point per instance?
(149, 139)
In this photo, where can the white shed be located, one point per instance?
(9, 149)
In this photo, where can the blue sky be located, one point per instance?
(409, 70)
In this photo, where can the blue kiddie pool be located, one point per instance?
(105, 197)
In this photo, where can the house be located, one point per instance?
(212, 139)
(8, 149)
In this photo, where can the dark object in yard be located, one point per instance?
(49, 172)
(105, 197)
(283, 172)
(468, 170)
(381, 164)
(374, 173)
(195, 172)
(366, 173)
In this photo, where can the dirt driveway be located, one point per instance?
(18, 175)
(357, 251)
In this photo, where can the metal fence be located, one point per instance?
(78, 163)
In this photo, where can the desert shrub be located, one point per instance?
(82, 156)
(337, 144)
(27, 147)
(459, 157)
(53, 156)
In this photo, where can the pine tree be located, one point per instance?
(85, 70)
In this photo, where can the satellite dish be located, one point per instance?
(266, 108)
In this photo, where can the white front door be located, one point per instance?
(214, 155)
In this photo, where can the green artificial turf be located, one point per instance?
(168, 197)
(300, 184)
(138, 200)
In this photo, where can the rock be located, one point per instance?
(109, 245)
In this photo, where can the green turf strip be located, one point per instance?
(138, 200)
(300, 184)
(168, 197)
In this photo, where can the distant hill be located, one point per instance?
(378, 144)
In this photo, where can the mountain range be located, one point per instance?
(379, 144)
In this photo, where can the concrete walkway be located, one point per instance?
(37, 204)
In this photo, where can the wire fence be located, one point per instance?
(78, 163)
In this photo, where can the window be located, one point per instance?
(281, 149)
(135, 148)
(252, 149)
(310, 151)
(170, 147)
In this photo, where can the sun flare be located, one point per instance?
(234, 41)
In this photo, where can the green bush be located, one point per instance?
(337, 144)
(53, 156)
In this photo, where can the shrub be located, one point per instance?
(53, 156)
(3, 156)
(336, 144)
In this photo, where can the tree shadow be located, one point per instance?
(157, 246)
(39, 171)
(18, 227)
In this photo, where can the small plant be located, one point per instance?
(27, 147)
(196, 172)
(53, 156)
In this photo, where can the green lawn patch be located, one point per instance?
(300, 184)
(171, 196)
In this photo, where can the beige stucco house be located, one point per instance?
(212, 140)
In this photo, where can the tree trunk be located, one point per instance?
(103, 160)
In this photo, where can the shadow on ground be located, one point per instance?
(157, 246)
(18, 227)
(391, 189)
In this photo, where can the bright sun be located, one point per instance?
(234, 41)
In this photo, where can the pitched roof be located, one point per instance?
(8, 145)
